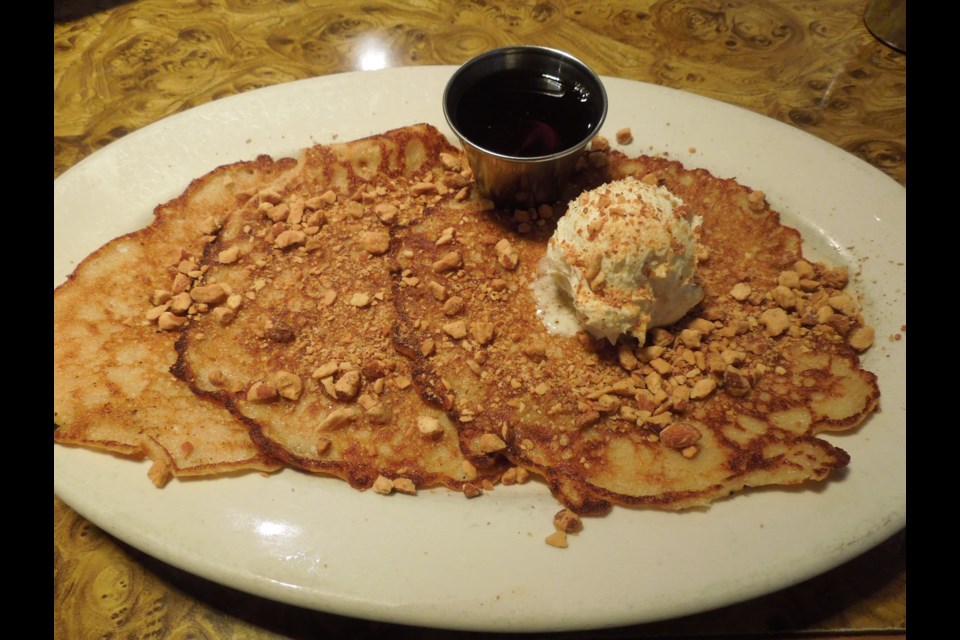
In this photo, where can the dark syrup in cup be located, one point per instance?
(525, 113)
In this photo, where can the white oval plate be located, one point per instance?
(441, 560)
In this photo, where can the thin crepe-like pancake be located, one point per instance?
(306, 357)
(112, 385)
(708, 407)
(299, 308)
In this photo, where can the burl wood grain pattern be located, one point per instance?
(119, 66)
(812, 64)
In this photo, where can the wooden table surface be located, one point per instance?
(119, 66)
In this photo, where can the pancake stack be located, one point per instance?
(363, 313)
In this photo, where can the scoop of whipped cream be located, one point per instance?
(625, 254)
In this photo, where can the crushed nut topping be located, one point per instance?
(735, 382)
(429, 426)
(437, 290)
(471, 490)
(229, 256)
(703, 388)
(376, 242)
(449, 262)
(557, 539)
(446, 237)
(775, 320)
(453, 306)
(679, 435)
(599, 143)
(587, 419)
(482, 332)
(455, 330)
(348, 385)
(287, 384)
(169, 322)
(339, 418)
(209, 294)
(261, 391)
(862, 338)
(741, 291)
(568, 521)
(360, 300)
(290, 238)
(507, 255)
(404, 485)
(491, 443)
(383, 485)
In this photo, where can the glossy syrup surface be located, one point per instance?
(523, 113)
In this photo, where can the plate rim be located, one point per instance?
(299, 596)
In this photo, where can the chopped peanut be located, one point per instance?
(453, 306)
(775, 321)
(338, 418)
(703, 388)
(160, 473)
(437, 290)
(568, 521)
(862, 339)
(405, 485)
(155, 313)
(422, 188)
(449, 262)
(287, 384)
(741, 291)
(209, 294)
(481, 332)
(690, 338)
(383, 485)
(386, 213)
(229, 256)
(446, 237)
(471, 490)
(599, 143)
(429, 426)
(491, 442)
(679, 435)
(507, 255)
(735, 382)
(180, 303)
(181, 282)
(290, 238)
(757, 199)
(557, 539)
(661, 366)
(450, 162)
(170, 322)
(261, 392)
(348, 385)
(427, 347)
(376, 242)
(784, 297)
(587, 419)
(455, 330)
(360, 300)
(844, 304)
(325, 370)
